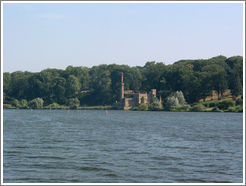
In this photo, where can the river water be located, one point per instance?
(90, 146)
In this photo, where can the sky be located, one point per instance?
(37, 36)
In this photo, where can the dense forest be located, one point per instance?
(100, 85)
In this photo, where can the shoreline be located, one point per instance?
(117, 109)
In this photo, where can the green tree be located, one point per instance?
(54, 105)
(73, 103)
(234, 61)
(101, 85)
(135, 77)
(153, 75)
(220, 83)
(82, 73)
(23, 103)
(197, 108)
(154, 99)
(180, 96)
(6, 85)
(206, 86)
(37, 103)
(143, 107)
(239, 102)
(142, 99)
(176, 101)
(218, 76)
(156, 105)
(182, 77)
(16, 103)
(235, 84)
(172, 103)
(19, 85)
(4, 96)
(224, 105)
(40, 85)
(72, 86)
(59, 90)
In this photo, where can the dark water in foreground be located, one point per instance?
(121, 147)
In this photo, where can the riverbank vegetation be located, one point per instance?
(204, 85)
(178, 103)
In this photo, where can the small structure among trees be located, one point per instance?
(127, 103)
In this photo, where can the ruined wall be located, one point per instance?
(143, 95)
(130, 102)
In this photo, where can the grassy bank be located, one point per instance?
(9, 106)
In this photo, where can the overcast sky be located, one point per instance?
(37, 36)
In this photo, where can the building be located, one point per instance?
(127, 103)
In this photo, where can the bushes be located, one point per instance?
(134, 108)
(229, 106)
(214, 104)
(239, 101)
(154, 99)
(7, 106)
(143, 107)
(24, 104)
(235, 109)
(73, 103)
(185, 108)
(197, 108)
(16, 103)
(20, 104)
(54, 105)
(232, 109)
(216, 109)
(155, 105)
(224, 105)
(239, 108)
(206, 105)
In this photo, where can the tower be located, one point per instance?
(153, 92)
(121, 88)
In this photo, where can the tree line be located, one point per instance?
(100, 85)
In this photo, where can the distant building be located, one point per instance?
(127, 103)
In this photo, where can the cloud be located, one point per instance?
(51, 16)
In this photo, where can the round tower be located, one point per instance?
(121, 88)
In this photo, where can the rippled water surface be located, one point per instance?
(85, 146)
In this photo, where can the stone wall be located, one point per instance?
(130, 102)
(143, 95)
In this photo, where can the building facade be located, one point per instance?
(127, 103)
